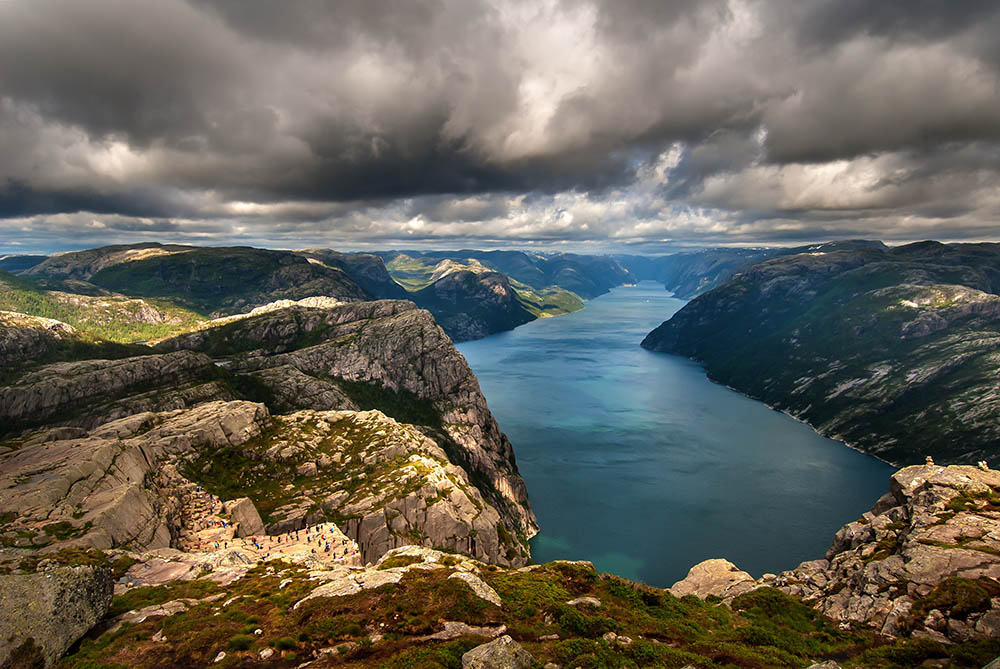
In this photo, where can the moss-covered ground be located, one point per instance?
(388, 626)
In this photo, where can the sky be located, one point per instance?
(602, 124)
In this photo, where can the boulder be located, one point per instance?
(501, 653)
(244, 514)
(44, 613)
(716, 577)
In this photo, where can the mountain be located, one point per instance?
(470, 300)
(895, 351)
(691, 273)
(95, 312)
(365, 269)
(222, 281)
(81, 265)
(585, 275)
(319, 355)
(19, 263)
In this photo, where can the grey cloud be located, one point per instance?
(503, 119)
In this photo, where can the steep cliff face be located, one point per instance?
(894, 352)
(388, 355)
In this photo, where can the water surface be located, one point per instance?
(636, 461)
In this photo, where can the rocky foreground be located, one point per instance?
(915, 581)
(923, 563)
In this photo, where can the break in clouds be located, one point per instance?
(611, 122)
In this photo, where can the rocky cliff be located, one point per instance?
(88, 393)
(924, 563)
(893, 351)
(385, 354)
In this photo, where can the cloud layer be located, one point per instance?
(609, 122)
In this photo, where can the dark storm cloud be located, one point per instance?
(620, 120)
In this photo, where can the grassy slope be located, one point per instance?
(765, 628)
(226, 279)
(111, 318)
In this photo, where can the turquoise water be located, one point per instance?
(636, 461)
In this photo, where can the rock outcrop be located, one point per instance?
(110, 487)
(89, 393)
(244, 514)
(387, 349)
(501, 653)
(384, 483)
(25, 338)
(892, 351)
(925, 561)
(42, 614)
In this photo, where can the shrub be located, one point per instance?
(241, 642)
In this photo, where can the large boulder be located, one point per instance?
(717, 577)
(244, 514)
(44, 613)
(501, 653)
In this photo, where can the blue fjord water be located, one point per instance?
(636, 461)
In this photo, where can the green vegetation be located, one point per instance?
(399, 561)
(955, 598)
(113, 318)
(544, 302)
(764, 628)
(403, 405)
(138, 598)
(412, 273)
(217, 280)
(243, 471)
(67, 557)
